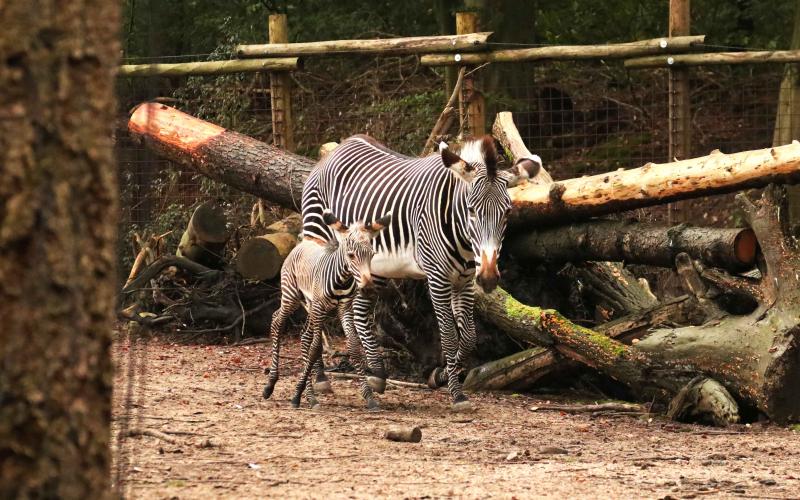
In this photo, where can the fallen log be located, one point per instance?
(652, 184)
(261, 257)
(276, 175)
(228, 157)
(205, 236)
(755, 356)
(638, 243)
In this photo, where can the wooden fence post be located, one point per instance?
(680, 118)
(280, 85)
(471, 104)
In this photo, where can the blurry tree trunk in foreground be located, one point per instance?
(58, 214)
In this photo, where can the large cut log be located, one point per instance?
(205, 236)
(756, 356)
(269, 172)
(638, 243)
(653, 184)
(234, 159)
(261, 257)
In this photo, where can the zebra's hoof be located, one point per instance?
(268, 391)
(295, 403)
(433, 378)
(462, 407)
(323, 387)
(373, 405)
(376, 384)
(314, 405)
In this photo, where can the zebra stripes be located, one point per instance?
(325, 276)
(448, 220)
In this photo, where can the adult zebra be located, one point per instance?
(448, 221)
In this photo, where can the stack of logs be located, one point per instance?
(728, 342)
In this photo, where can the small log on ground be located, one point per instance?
(638, 243)
(205, 236)
(410, 435)
(261, 257)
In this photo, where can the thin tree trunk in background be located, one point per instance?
(58, 212)
(446, 22)
(787, 119)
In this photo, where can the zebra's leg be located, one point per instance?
(363, 315)
(289, 304)
(463, 311)
(441, 296)
(321, 383)
(311, 344)
(354, 350)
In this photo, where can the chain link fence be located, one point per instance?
(582, 118)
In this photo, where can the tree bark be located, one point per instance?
(638, 243)
(58, 204)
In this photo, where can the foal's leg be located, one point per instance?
(354, 350)
(312, 348)
(363, 316)
(289, 304)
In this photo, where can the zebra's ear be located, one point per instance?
(333, 222)
(524, 169)
(457, 165)
(379, 225)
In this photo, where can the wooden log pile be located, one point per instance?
(701, 372)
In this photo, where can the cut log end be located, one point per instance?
(745, 247)
(261, 258)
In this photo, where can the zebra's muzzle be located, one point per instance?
(488, 274)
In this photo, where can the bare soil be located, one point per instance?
(221, 439)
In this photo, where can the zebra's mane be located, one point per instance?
(472, 151)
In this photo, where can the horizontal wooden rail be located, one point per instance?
(568, 52)
(393, 46)
(715, 59)
(211, 67)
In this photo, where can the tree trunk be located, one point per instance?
(234, 159)
(652, 185)
(57, 247)
(231, 158)
(638, 243)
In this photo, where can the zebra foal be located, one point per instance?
(325, 277)
(448, 221)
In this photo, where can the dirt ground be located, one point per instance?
(222, 440)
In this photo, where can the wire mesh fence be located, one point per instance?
(582, 118)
